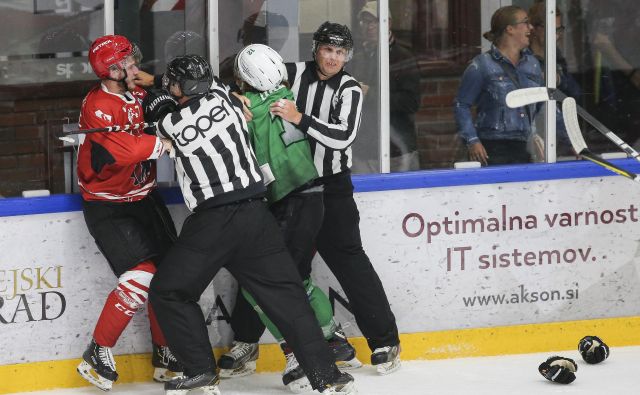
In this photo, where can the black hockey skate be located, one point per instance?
(343, 351)
(344, 385)
(239, 361)
(293, 376)
(386, 359)
(205, 382)
(166, 366)
(98, 366)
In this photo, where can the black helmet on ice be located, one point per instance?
(192, 73)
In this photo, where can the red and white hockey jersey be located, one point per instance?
(115, 166)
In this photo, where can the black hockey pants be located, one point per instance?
(244, 238)
(299, 217)
(340, 246)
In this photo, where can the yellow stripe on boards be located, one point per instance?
(477, 342)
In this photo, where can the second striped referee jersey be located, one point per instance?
(331, 111)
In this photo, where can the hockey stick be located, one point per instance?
(70, 129)
(570, 114)
(527, 96)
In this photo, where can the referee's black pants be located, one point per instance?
(245, 239)
(299, 217)
(340, 246)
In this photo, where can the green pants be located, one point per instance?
(319, 303)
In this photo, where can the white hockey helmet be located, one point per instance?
(260, 66)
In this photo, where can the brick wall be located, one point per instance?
(30, 157)
(436, 129)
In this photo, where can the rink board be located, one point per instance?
(524, 264)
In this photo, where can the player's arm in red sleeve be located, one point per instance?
(125, 148)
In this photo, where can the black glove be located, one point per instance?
(157, 104)
(593, 349)
(559, 369)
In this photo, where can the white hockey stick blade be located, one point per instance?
(69, 140)
(572, 125)
(525, 96)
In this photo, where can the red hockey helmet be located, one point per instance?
(106, 51)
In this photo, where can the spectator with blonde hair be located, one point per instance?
(499, 134)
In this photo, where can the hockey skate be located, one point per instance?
(344, 385)
(343, 351)
(239, 361)
(205, 382)
(293, 376)
(98, 366)
(386, 359)
(166, 366)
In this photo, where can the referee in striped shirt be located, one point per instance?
(330, 107)
(230, 227)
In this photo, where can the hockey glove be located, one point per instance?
(559, 369)
(593, 349)
(157, 104)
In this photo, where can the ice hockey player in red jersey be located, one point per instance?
(122, 209)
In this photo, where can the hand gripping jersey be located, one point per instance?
(282, 150)
(214, 161)
(115, 166)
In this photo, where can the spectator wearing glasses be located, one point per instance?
(565, 82)
(499, 134)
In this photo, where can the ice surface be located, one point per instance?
(503, 375)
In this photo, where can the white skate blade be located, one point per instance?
(88, 373)
(162, 375)
(389, 367)
(244, 370)
(208, 390)
(348, 389)
(349, 365)
(300, 386)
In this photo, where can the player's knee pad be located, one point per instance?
(133, 286)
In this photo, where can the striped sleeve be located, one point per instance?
(340, 131)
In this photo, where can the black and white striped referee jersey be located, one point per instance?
(331, 114)
(215, 164)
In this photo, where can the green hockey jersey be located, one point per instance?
(282, 150)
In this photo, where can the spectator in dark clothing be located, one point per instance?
(616, 25)
(268, 28)
(564, 80)
(404, 95)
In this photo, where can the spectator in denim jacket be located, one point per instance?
(499, 134)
